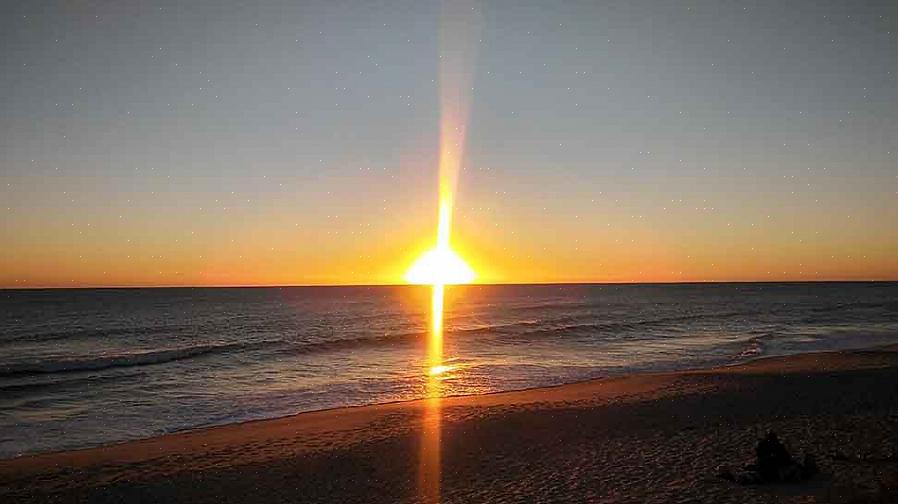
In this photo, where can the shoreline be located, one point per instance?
(325, 434)
(625, 375)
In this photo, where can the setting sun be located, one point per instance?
(440, 266)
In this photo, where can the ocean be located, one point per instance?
(87, 367)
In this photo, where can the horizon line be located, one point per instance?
(491, 284)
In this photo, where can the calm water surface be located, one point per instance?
(81, 368)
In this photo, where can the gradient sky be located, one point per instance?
(152, 143)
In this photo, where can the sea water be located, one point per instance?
(81, 368)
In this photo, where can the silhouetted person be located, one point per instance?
(773, 464)
(773, 458)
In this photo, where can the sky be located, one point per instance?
(284, 142)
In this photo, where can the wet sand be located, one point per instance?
(644, 438)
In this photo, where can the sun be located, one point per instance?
(440, 266)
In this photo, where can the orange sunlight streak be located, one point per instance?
(441, 266)
(430, 459)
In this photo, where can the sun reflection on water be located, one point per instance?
(430, 459)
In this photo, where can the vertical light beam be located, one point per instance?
(459, 37)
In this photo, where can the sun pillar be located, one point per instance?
(441, 266)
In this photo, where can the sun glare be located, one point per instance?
(440, 266)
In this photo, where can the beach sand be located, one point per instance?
(645, 438)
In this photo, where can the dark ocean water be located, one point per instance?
(81, 368)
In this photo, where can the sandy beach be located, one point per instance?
(642, 438)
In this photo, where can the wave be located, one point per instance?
(883, 305)
(355, 343)
(605, 327)
(752, 348)
(80, 333)
(825, 340)
(16, 388)
(522, 329)
(497, 328)
(591, 326)
(115, 361)
(401, 337)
